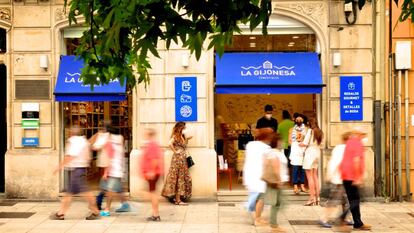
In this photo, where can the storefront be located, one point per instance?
(246, 82)
(91, 108)
(41, 32)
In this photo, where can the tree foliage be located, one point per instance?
(407, 10)
(121, 34)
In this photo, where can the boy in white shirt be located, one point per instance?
(76, 161)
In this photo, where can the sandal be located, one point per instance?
(154, 219)
(181, 203)
(57, 216)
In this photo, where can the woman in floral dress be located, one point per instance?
(178, 184)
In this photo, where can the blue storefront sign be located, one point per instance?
(268, 73)
(32, 142)
(69, 86)
(186, 99)
(351, 102)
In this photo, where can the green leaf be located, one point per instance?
(108, 19)
(122, 33)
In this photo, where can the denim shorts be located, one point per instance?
(111, 184)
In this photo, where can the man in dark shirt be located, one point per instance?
(267, 121)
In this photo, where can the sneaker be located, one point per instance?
(124, 208)
(104, 213)
(93, 216)
(154, 219)
(57, 216)
(325, 224)
(364, 227)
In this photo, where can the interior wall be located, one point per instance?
(249, 108)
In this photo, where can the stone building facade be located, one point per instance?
(35, 29)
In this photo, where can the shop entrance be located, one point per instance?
(90, 109)
(240, 102)
(3, 123)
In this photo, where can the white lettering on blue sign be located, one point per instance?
(267, 71)
(71, 78)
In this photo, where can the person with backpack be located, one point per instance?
(275, 174)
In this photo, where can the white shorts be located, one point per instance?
(311, 158)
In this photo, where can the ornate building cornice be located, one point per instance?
(60, 14)
(5, 14)
(316, 11)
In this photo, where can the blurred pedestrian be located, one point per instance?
(267, 121)
(178, 183)
(76, 161)
(276, 161)
(98, 141)
(283, 130)
(352, 172)
(297, 134)
(253, 170)
(152, 168)
(311, 143)
(111, 181)
(336, 190)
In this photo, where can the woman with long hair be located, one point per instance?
(178, 184)
(312, 141)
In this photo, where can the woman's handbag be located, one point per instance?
(269, 174)
(190, 161)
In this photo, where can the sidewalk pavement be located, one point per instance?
(198, 217)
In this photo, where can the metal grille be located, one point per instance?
(32, 89)
(227, 204)
(303, 222)
(16, 214)
(7, 203)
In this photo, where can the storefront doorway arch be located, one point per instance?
(283, 21)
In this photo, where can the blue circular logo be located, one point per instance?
(186, 111)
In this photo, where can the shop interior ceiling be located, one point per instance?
(273, 43)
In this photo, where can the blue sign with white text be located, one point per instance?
(268, 73)
(69, 86)
(186, 99)
(351, 102)
(32, 142)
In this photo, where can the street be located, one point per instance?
(198, 217)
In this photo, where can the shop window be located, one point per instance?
(91, 117)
